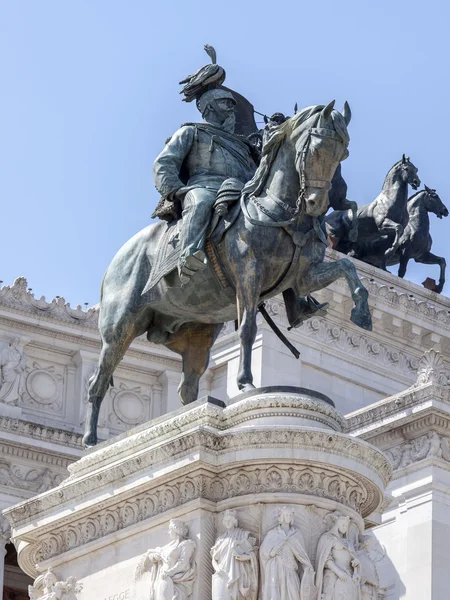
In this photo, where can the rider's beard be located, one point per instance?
(229, 124)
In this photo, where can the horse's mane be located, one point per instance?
(271, 147)
(414, 196)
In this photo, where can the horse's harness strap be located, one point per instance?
(280, 202)
(318, 183)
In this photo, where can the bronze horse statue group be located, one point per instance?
(394, 228)
(261, 258)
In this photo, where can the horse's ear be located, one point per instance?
(347, 113)
(326, 112)
(295, 108)
(404, 159)
(427, 189)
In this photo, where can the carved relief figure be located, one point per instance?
(172, 567)
(235, 562)
(370, 582)
(12, 365)
(337, 566)
(281, 551)
(47, 587)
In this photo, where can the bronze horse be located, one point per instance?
(260, 256)
(415, 242)
(385, 217)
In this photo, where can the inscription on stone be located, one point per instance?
(124, 595)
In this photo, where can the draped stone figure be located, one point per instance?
(337, 566)
(281, 552)
(172, 567)
(370, 582)
(235, 562)
(12, 365)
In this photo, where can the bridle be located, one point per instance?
(305, 183)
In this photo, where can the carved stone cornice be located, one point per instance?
(36, 455)
(381, 415)
(201, 442)
(68, 533)
(43, 433)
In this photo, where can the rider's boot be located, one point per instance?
(299, 309)
(190, 264)
(197, 206)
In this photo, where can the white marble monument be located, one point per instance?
(277, 463)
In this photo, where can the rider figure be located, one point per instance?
(194, 164)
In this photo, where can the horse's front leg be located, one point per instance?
(248, 290)
(320, 275)
(432, 259)
(353, 207)
(389, 226)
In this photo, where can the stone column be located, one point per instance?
(5, 534)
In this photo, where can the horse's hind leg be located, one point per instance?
(248, 290)
(194, 342)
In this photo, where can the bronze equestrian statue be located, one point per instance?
(178, 282)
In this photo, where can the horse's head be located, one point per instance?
(408, 172)
(434, 204)
(321, 144)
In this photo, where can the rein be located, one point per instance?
(304, 185)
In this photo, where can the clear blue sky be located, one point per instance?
(90, 93)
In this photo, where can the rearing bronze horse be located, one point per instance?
(275, 243)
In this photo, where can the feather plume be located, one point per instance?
(210, 51)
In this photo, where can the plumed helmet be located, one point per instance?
(207, 78)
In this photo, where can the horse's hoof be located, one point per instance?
(89, 441)
(361, 318)
(247, 387)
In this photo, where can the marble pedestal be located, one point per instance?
(273, 447)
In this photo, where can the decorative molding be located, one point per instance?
(128, 406)
(19, 297)
(350, 490)
(27, 478)
(36, 455)
(378, 414)
(44, 388)
(210, 415)
(42, 433)
(203, 441)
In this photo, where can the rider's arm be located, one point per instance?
(166, 168)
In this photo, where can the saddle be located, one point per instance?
(225, 212)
